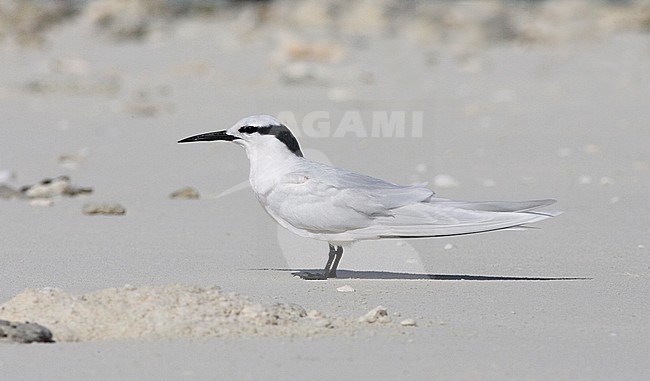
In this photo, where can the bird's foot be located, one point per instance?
(310, 276)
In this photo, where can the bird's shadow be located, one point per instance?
(388, 275)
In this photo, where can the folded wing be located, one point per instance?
(327, 200)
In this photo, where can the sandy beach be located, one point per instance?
(499, 101)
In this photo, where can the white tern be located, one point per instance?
(332, 204)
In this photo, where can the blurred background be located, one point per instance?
(90, 72)
(514, 100)
(517, 100)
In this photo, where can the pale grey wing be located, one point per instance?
(319, 202)
(368, 188)
(442, 219)
(323, 199)
(344, 178)
(496, 206)
(415, 212)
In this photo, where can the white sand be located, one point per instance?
(517, 102)
(172, 312)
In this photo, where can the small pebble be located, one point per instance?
(449, 246)
(408, 323)
(58, 186)
(346, 288)
(47, 187)
(377, 314)
(104, 209)
(24, 332)
(187, 193)
(75, 191)
(41, 202)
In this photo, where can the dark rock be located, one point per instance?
(24, 332)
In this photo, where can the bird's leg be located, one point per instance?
(337, 259)
(329, 271)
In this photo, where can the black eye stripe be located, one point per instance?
(281, 132)
(269, 130)
(248, 129)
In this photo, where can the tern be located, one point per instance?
(335, 205)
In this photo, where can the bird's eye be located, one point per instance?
(248, 129)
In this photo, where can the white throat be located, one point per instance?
(269, 160)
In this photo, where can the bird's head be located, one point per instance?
(257, 132)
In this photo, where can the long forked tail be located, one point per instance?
(497, 206)
(441, 217)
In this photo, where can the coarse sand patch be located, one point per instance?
(171, 312)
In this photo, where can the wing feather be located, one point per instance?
(335, 204)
